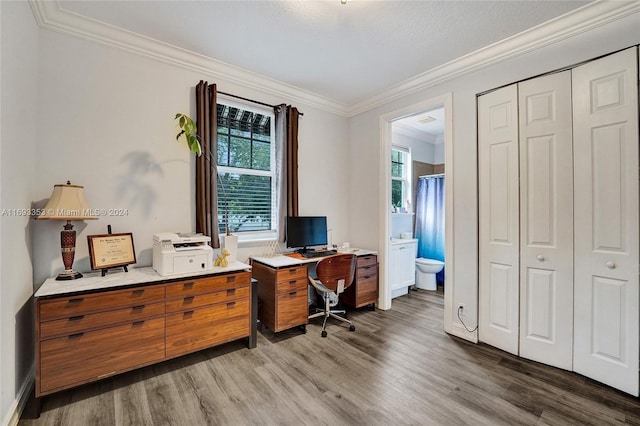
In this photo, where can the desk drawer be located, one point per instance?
(200, 328)
(84, 357)
(368, 290)
(82, 304)
(192, 302)
(293, 309)
(207, 285)
(296, 272)
(368, 260)
(78, 323)
(292, 284)
(366, 272)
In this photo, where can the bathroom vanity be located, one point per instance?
(402, 265)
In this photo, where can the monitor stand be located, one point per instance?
(304, 250)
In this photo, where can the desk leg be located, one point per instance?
(253, 337)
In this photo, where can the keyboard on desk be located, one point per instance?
(323, 253)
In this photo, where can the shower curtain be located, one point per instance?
(430, 219)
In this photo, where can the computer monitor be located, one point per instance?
(306, 231)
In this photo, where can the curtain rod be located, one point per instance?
(431, 176)
(251, 100)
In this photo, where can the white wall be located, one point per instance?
(366, 145)
(19, 82)
(421, 150)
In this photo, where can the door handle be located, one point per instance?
(610, 265)
(540, 258)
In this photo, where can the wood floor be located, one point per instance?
(397, 368)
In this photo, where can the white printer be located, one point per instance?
(181, 253)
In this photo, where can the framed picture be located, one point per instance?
(111, 250)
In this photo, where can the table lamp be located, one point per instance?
(67, 203)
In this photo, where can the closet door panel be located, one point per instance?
(546, 220)
(606, 225)
(498, 218)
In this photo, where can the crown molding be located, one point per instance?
(581, 20)
(49, 15)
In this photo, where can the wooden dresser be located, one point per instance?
(364, 290)
(96, 327)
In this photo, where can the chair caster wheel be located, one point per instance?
(323, 334)
(352, 328)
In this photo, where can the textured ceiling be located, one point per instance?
(347, 53)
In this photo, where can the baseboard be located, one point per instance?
(16, 409)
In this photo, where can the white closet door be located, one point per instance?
(498, 218)
(605, 104)
(546, 220)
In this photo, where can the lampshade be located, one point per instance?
(67, 203)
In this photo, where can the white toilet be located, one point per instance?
(426, 270)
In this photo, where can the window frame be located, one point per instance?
(254, 235)
(405, 178)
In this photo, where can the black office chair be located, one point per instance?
(335, 274)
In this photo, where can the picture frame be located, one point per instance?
(111, 250)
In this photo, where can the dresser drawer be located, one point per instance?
(293, 309)
(78, 323)
(84, 357)
(292, 284)
(78, 305)
(192, 302)
(368, 260)
(200, 328)
(285, 275)
(206, 285)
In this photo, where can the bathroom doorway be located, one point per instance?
(437, 150)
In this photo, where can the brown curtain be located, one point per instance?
(206, 175)
(287, 131)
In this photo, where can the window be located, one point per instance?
(400, 170)
(246, 169)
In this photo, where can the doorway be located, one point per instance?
(445, 103)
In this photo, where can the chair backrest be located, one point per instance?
(332, 269)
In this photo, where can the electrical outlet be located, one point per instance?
(461, 308)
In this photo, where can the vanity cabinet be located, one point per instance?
(90, 330)
(402, 265)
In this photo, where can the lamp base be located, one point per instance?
(68, 275)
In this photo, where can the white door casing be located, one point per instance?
(605, 116)
(498, 218)
(546, 220)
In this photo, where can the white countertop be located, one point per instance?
(118, 278)
(283, 260)
(403, 240)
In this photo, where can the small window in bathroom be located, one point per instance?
(400, 163)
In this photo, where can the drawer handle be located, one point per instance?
(293, 271)
(76, 335)
(189, 299)
(231, 304)
(293, 293)
(231, 291)
(76, 318)
(138, 308)
(367, 277)
(293, 282)
(188, 313)
(231, 278)
(367, 267)
(188, 285)
(137, 323)
(137, 292)
(76, 300)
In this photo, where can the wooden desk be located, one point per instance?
(96, 327)
(283, 287)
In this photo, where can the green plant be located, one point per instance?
(190, 131)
